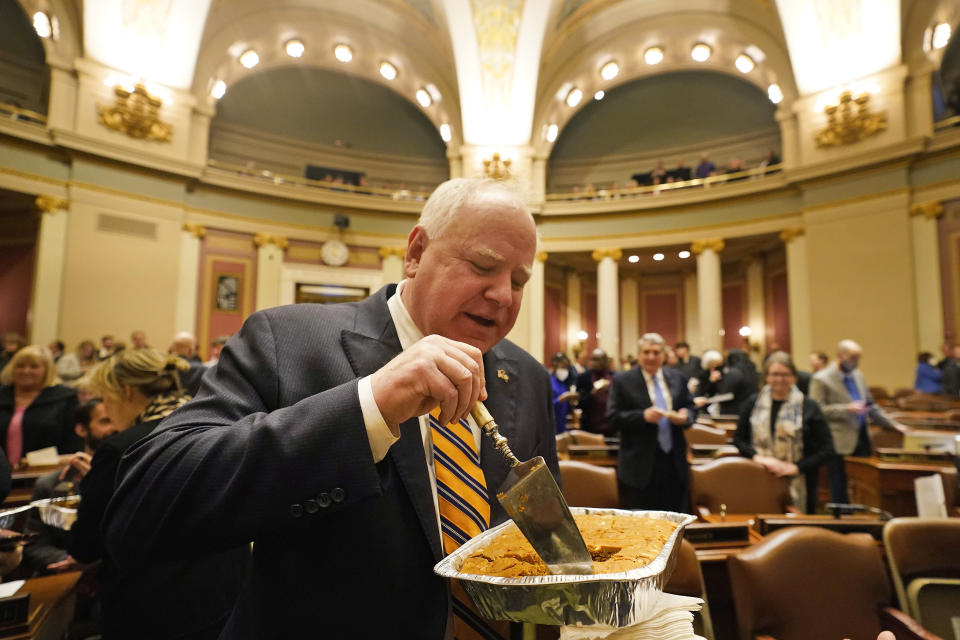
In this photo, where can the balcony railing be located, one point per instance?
(16, 113)
(946, 124)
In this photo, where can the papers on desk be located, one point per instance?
(43, 457)
(931, 503)
(7, 589)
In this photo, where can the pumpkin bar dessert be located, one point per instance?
(617, 543)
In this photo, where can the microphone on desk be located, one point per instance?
(843, 508)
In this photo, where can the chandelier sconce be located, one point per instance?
(846, 126)
(137, 114)
(496, 168)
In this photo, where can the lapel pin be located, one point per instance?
(503, 375)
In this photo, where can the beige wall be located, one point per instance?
(861, 284)
(117, 281)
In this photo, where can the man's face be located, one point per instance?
(682, 352)
(651, 357)
(815, 363)
(101, 426)
(598, 361)
(849, 360)
(11, 346)
(139, 339)
(467, 285)
(107, 343)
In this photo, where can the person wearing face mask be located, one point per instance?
(842, 394)
(562, 395)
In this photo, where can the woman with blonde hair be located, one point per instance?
(35, 413)
(171, 597)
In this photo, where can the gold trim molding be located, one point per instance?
(789, 235)
(541, 256)
(846, 127)
(137, 114)
(50, 204)
(400, 252)
(600, 254)
(197, 230)
(262, 239)
(714, 244)
(929, 210)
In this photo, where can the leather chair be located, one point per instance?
(589, 485)
(563, 443)
(806, 582)
(687, 580)
(744, 486)
(578, 436)
(924, 559)
(703, 434)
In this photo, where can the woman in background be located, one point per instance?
(562, 395)
(929, 376)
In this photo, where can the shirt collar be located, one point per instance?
(407, 330)
(658, 375)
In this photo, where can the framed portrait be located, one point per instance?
(227, 293)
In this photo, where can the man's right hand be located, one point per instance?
(652, 414)
(857, 407)
(434, 371)
(80, 462)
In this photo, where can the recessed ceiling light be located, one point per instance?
(574, 97)
(653, 55)
(700, 52)
(434, 92)
(658, 257)
(445, 132)
(552, 132)
(343, 53)
(683, 255)
(610, 70)
(41, 24)
(599, 95)
(424, 98)
(941, 34)
(633, 259)
(775, 93)
(219, 89)
(746, 331)
(744, 63)
(249, 58)
(387, 70)
(294, 48)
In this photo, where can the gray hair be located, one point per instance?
(653, 338)
(779, 357)
(710, 357)
(446, 201)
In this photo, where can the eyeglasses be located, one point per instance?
(779, 375)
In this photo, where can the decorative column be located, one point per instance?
(691, 305)
(537, 314)
(629, 320)
(608, 307)
(756, 309)
(709, 292)
(926, 275)
(269, 268)
(391, 264)
(574, 319)
(48, 281)
(798, 293)
(185, 316)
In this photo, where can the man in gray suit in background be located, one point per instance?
(842, 393)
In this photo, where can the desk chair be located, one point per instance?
(704, 434)
(924, 559)
(687, 580)
(805, 582)
(588, 485)
(563, 442)
(744, 486)
(578, 436)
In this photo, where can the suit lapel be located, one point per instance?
(367, 353)
(502, 404)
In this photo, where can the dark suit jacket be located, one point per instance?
(274, 449)
(817, 441)
(638, 438)
(47, 422)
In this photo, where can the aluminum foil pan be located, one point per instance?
(55, 514)
(613, 599)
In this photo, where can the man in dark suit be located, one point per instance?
(650, 406)
(308, 436)
(593, 386)
(687, 363)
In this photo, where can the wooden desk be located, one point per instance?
(22, 481)
(603, 455)
(52, 600)
(889, 485)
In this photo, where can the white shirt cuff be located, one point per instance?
(378, 433)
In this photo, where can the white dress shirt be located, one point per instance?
(663, 387)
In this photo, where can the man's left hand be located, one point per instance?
(902, 428)
(79, 461)
(680, 417)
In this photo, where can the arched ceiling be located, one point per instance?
(663, 111)
(17, 37)
(330, 108)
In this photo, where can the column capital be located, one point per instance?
(541, 256)
(198, 231)
(51, 204)
(614, 254)
(400, 252)
(929, 210)
(714, 244)
(262, 239)
(789, 235)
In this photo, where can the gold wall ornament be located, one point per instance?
(400, 252)
(844, 126)
(929, 210)
(137, 114)
(50, 204)
(789, 235)
(198, 231)
(496, 168)
(714, 244)
(600, 254)
(262, 239)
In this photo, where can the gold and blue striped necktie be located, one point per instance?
(462, 498)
